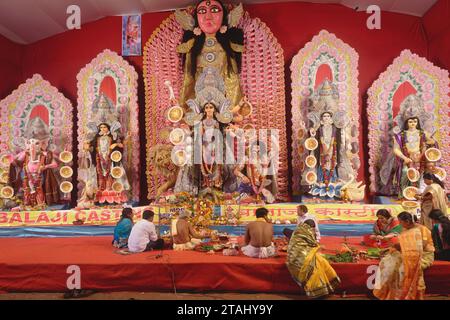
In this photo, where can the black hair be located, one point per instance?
(405, 124)
(234, 35)
(261, 212)
(126, 213)
(407, 217)
(310, 223)
(432, 177)
(147, 214)
(384, 213)
(438, 215)
(303, 208)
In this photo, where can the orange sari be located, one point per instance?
(400, 274)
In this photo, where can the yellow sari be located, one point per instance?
(307, 266)
(400, 274)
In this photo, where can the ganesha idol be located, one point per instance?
(30, 177)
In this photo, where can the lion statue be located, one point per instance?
(163, 166)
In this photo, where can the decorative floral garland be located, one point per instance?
(161, 63)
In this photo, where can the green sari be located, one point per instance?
(307, 266)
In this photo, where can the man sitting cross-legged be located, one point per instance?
(184, 235)
(258, 237)
(143, 236)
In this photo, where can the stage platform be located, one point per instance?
(41, 264)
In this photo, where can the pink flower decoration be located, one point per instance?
(306, 92)
(305, 81)
(396, 77)
(429, 107)
(57, 122)
(421, 79)
(404, 68)
(123, 90)
(58, 113)
(342, 77)
(17, 112)
(429, 85)
(305, 71)
(427, 96)
(342, 86)
(123, 100)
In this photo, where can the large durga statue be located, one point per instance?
(212, 124)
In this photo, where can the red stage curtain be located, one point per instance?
(11, 65)
(437, 28)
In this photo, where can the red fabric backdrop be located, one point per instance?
(437, 26)
(10, 66)
(59, 58)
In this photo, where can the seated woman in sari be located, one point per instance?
(385, 230)
(400, 273)
(441, 234)
(307, 266)
(123, 228)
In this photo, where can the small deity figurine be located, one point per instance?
(328, 128)
(410, 141)
(254, 176)
(210, 169)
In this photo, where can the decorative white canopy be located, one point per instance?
(27, 21)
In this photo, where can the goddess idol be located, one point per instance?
(405, 167)
(327, 162)
(212, 39)
(101, 167)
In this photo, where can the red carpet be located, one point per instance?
(40, 264)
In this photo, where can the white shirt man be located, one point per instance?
(143, 236)
(303, 215)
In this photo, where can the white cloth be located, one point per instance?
(262, 252)
(173, 227)
(187, 246)
(141, 234)
(310, 216)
